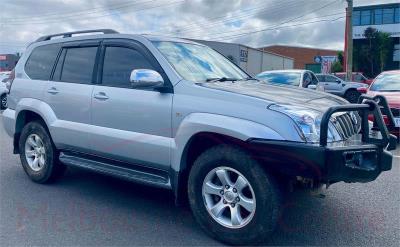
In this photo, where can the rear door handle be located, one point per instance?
(101, 96)
(53, 90)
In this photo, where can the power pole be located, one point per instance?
(349, 40)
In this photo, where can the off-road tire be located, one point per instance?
(52, 168)
(264, 186)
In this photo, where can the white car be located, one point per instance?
(3, 89)
(297, 78)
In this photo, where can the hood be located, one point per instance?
(279, 94)
(393, 98)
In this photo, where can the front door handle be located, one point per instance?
(53, 90)
(101, 96)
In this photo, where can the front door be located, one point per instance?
(332, 84)
(132, 125)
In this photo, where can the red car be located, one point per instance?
(388, 85)
(356, 77)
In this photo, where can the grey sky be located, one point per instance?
(317, 23)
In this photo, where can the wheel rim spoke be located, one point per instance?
(218, 209)
(224, 177)
(30, 153)
(236, 218)
(246, 203)
(32, 142)
(211, 188)
(240, 183)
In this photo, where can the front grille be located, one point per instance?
(395, 112)
(347, 125)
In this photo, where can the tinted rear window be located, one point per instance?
(40, 63)
(78, 65)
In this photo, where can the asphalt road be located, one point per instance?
(85, 209)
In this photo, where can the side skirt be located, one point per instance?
(131, 172)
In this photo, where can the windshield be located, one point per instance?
(197, 62)
(386, 82)
(287, 78)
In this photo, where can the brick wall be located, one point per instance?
(301, 55)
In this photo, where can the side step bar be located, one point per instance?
(134, 173)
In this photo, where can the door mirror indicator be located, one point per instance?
(145, 78)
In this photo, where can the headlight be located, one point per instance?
(308, 121)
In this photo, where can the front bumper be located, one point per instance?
(360, 158)
(350, 161)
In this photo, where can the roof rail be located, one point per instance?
(69, 34)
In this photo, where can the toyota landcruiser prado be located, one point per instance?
(176, 114)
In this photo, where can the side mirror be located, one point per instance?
(338, 81)
(145, 78)
(312, 86)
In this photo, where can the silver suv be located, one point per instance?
(335, 85)
(176, 114)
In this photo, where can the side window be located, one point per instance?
(306, 79)
(78, 65)
(119, 63)
(330, 78)
(314, 79)
(40, 63)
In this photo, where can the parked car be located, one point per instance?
(335, 85)
(297, 78)
(176, 114)
(356, 77)
(388, 85)
(3, 89)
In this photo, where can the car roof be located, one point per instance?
(284, 70)
(139, 37)
(391, 72)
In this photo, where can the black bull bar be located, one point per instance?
(366, 106)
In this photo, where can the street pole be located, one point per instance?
(349, 40)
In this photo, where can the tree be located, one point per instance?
(337, 66)
(385, 46)
(372, 55)
(371, 34)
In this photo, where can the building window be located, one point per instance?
(397, 15)
(378, 17)
(356, 18)
(388, 16)
(366, 17)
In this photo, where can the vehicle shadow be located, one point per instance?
(304, 220)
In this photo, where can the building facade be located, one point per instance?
(384, 18)
(304, 57)
(251, 60)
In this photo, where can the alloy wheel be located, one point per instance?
(231, 204)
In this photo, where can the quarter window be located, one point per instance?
(78, 65)
(119, 63)
(40, 63)
(397, 15)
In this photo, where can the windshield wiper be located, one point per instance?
(251, 79)
(221, 79)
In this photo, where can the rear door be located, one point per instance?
(130, 124)
(69, 94)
